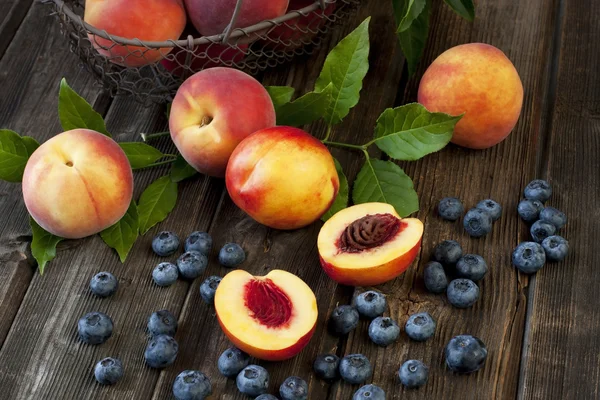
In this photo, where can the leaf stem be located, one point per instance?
(344, 145)
(172, 157)
(149, 136)
(328, 133)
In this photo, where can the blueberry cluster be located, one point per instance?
(477, 221)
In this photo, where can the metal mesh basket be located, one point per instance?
(152, 71)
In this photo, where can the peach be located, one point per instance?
(282, 177)
(480, 81)
(78, 183)
(213, 111)
(147, 20)
(368, 244)
(270, 317)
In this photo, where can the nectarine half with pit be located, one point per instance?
(270, 317)
(368, 244)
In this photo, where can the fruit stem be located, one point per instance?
(327, 133)
(149, 136)
(172, 157)
(346, 145)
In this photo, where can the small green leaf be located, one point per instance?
(280, 95)
(385, 182)
(43, 245)
(411, 132)
(341, 201)
(14, 153)
(181, 170)
(406, 12)
(122, 235)
(345, 66)
(156, 202)
(140, 154)
(464, 8)
(74, 112)
(30, 143)
(305, 109)
(413, 39)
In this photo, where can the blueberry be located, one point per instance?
(538, 189)
(191, 264)
(231, 255)
(104, 284)
(232, 361)
(95, 328)
(413, 374)
(465, 354)
(191, 385)
(208, 288)
(343, 320)
(447, 252)
(108, 371)
(326, 366)
(556, 248)
(529, 210)
(369, 392)
(540, 230)
(492, 207)
(370, 304)
(294, 388)
(165, 243)
(161, 351)
(253, 380)
(435, 277)
(165, 274)
(471, 266)
(198, 241)
(450, 208)
(462, 293)
(384, 331)
(553, 216)
(529, 257)
(266, 396)
(162, 323)
(355, 369)
(477, 222)
(420, 326)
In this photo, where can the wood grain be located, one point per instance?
(13, 12)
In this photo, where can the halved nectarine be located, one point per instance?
(368, 244)
(270, 317)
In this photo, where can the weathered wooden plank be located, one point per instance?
(12, 12)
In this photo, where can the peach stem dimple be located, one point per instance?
(205, 121)
(268, 304)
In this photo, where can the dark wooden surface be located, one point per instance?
(541, 332)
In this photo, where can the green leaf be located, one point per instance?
(156, 202)
(413, 39)
(341, 200)
(305, 109)
(181, 170)
(122, 235)
(140, 154)
(30, 143)
(406, 11)
(411, 132)
(464, 8)
(385, 182)
(74, 112)
(14, 153)
(43, 245)
(345, 66)
(280, 95)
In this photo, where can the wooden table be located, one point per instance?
(541, 331)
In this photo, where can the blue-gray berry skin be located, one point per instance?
(266, 396)
(369, 392)
(294, 388)
(343, 320)
(554, 217)
(104, 284)
(355, 369)
(165, 274)
(253, 381)
(462, 293)
(95, 328)
(198, 241)
(450, 208)
(384, 331)
(465, 354)
(370, 304)
(529, 257)
(162, 323)
(231, 255)
(471, 266)
(492, 207)
(326, 367)
(556, 248)
(420, 326)
(435, 277)
(192, 385)
(108, 371)
(447, 252)
(191, 264)
(232, 361)
(538, 189)
(161, 351)
(208, 288)
(540, 230)
(165, 243)
(529, 210)
(413, 374)
(477, 223)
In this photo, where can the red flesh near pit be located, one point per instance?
(268, 304)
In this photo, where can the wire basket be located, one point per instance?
(152, 72)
